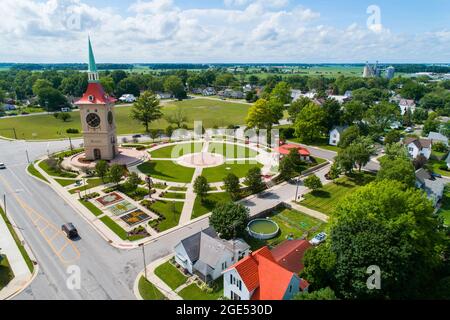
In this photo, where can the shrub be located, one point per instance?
(72, 130)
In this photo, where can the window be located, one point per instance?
(91, 98)
(239, 284)
(234, 296)
(290, 288)
(224, 265)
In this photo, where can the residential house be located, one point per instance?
(348, 94)
(9, 107)
(285, 149)
(406, 105)
(127, 98)
(416, 146)
(335, 135)
(437, 137)
(229, 93)
(295, 94)
(163, 95)
(340, 99)
(433, 186)
(209, 91)
(266, 274)
(207, 256)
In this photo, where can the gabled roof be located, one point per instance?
(407, 102)
(418, 142)
(289, 254)
(437, 136)
(285, 149)
(192, 244)
(340, 129)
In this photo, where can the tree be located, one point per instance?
(229, 219)
(253, 180)
(115, 173)
(175, 86)
(361, 151)
(133, 182)
(333, 112)
(313, 182)
(430, 125)
(177, 118)
(413, 90)
(232, 186)
(108, 84)
(101, 168)
(128, 86)
(146, 109)
(309, 125)
(260, 115)
(201, 187)
(154, 133)
(395, 150)
(64, 116)
(118, 75)
(40, 84)
(335, 171)
(281, 93)
(321, 294)
(52, 99)
(348, 136)
(399, 169)
(286, 168)
(392, 136)
(381, 115)
(353, 112)
(439, 146)
(297, 106)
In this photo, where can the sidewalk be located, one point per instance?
(22, 274)
(313, 213)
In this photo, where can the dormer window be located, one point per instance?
(91, 98)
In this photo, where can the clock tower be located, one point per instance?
(97, 117)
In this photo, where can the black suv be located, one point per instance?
(70, 230)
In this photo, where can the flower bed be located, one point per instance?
(135, 217)
(109, 199)
(121, 208)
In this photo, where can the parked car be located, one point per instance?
(318, 238)
(135, 136)
(70, 230)
(2, 165)
(409, 130)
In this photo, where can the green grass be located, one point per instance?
(170, 275)
(178, 188)
(148, 290)
(326, 199)
(65, 182)
(323, 144)
(231, 150)
(436, 167)
(18, 241)
(293, 224)
(174, 195)
(171, 218)
(211, 112)
(167, 170)
(444, 211)
(90, 183)
(6, 274)
(436, 155)
(217, 174)
(92, 208)
(55, 173)
(33, 171)
(211, 200)
(178, 150)
(121, 233)
(194, 292)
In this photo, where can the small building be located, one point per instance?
(9, 107)
(207, 256)
(406, 105)
(340, 99)
(163, 95)
(266, 274)
(209, 91)
(335, 135)
(284, 150)
(416, 146)
(438, 137)
(295, 94)
(433, 186)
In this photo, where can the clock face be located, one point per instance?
(93, 120)
(110, 117)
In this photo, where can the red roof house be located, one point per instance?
(286, 148)
(259, 276)
(290, 253)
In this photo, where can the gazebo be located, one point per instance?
(284, 150)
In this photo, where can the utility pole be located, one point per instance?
(296, 191)
(28, 158)
(145, 264)
(71, 146)
(4, 202)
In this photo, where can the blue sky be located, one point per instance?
(226, 30)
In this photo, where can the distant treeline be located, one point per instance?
(413, 68)
(67, 66)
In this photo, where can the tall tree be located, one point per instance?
(101, 168)
(399, 169)
(175, 86)
(146, 109)
(229, 219)
(201, 187)
(309, 125)
(232, 185)
(253, 180)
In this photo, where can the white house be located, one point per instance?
(433, 186)
(438, 137)
(406, 105)
(335, 135)
(206, 255)
(416, 146)
(163, 95)
(209, 91)
(127, 98)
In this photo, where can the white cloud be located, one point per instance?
(159, 31)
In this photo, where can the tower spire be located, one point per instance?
(92, 70)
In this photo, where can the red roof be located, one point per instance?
(98, 94)
(285, 148)
(289, 254)
(262, 274)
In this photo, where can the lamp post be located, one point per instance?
(149, 182)
(296, 191)
(143, 256)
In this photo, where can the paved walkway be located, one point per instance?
(313, 213)
(22, 274)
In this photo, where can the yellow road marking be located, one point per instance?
(37, 217)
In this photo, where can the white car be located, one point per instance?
(2, 165)
(318, 239)
(409, 130)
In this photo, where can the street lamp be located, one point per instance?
(149, 182)
(143, 256)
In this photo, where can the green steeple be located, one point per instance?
(92, 65)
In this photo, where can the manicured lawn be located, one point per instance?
(231, 150)
(110, 223)
(91, 207)
(33, 171)
(211, 200)
(178, 150)
(171, 210)
(56, 173)
(326, 199)
(6, 274)
(178, 188)
(323, 144)
(193, 291)
(170, 275)
(90, 183)
(217, 174)
(65, 182)
(167, 170)
(444, 211)
(436, 155)
(292, 223)
(436, 167)
(174, 195)
(148, 290)
(17, 241)
(220, 113)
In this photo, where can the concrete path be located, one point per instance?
(22, 274)
(313, 213)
